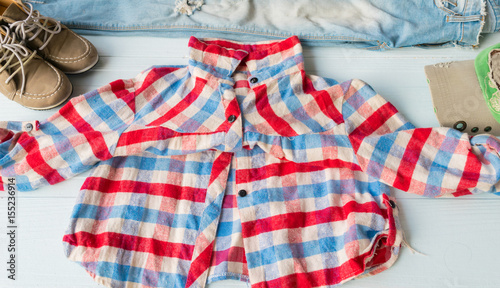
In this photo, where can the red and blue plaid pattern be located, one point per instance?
(240, 166)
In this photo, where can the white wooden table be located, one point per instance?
(461, 237)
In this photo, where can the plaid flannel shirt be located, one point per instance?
(239, 166)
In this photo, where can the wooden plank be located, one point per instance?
(458, 235)
(133, 47)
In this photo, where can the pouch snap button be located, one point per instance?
(460, 126)
(231, 118)
(254, 80)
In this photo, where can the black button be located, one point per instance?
(487, 129)
(474, 129)
(242, 193)
(393, 205)
(460, 125)
(231, 118)
(254, 80)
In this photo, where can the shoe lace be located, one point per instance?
(36, 24)
(10, 50)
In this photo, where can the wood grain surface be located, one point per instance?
(459, 237)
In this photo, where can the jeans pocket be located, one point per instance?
(448, 6)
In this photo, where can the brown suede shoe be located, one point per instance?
(28, 79)
(57, 44)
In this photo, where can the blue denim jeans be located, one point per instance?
(370, 24)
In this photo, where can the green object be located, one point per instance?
(490, 90)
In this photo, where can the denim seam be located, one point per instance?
(381, 46)
(243, 31)
(385, 46)
(480, 17)
(444, 8)
(470, 18)
(464, 20)
(496, 11)
(462, 26)
(482, 13)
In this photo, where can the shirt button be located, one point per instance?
(231, 118)
(393, 205)
(254, 80)
(28, 127)
(242, 193)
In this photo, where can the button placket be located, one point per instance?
(229, 95)
(242, 164)
(233, 124)
(211, 217)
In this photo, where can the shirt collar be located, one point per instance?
(221, 58)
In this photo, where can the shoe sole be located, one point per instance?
(55, 105)
(84, 69)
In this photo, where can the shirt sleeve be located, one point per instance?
(83, 132)
(432, 162)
